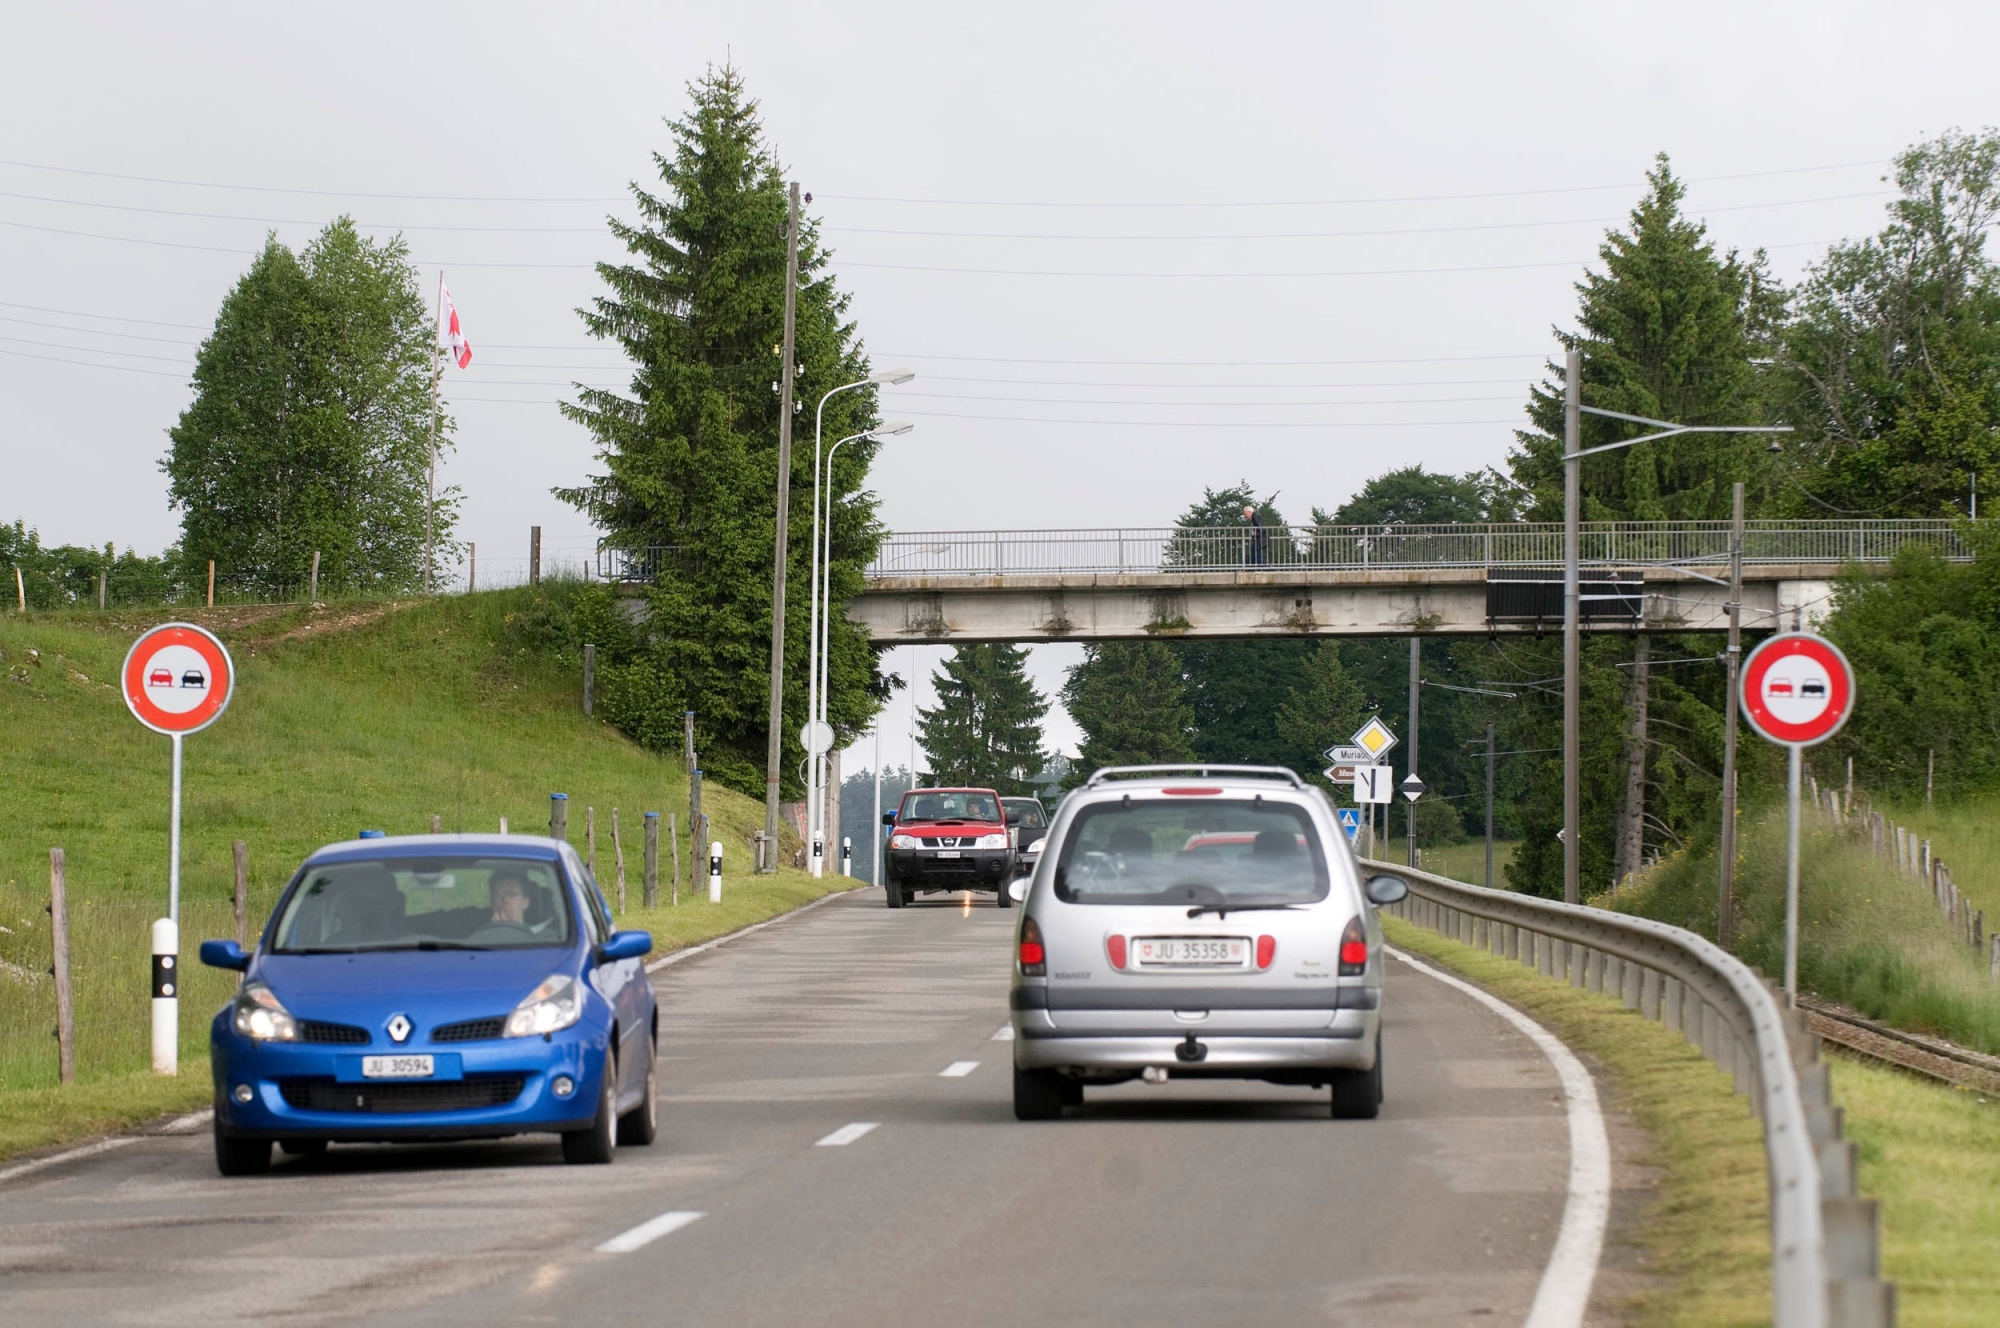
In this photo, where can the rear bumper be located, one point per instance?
(973, 869)
(1234, 1055)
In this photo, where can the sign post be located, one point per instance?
(1798, 690)
(177, 680)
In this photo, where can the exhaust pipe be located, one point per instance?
(1154, 1074)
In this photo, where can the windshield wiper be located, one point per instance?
(1224, 910)
(450, 945)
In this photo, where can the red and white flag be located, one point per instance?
(453, 335)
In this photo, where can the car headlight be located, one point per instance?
(904, 841)
(992, 841)
(1035, 847)
(557, 1003)
(261, 1015)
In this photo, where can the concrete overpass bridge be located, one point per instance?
(1094, 585)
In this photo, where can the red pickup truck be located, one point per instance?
(948, 839)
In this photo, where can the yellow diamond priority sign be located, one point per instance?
(1374, 737)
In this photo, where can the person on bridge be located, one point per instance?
(1260, 536)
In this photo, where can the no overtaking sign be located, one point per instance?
(1797, 689)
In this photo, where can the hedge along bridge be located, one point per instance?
(1094, 585)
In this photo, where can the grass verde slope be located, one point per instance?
(362, 715)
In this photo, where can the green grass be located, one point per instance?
(1704, 1242)
(1467, 861)
(1869, 936)
(372, 716)
(1966, 835)
(1931, 1154)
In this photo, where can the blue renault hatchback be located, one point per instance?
(435, 987)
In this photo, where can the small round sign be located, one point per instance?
(816, 736)
(177, 679)
(1798, 689)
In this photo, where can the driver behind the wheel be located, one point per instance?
(508, 894)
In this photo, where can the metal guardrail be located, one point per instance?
(1825, 1242)
(988, 553)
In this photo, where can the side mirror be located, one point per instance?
(625, 945)
(1385, 890)
(1017, 889)
(888, 818)
(1013, 816)
(224, 954)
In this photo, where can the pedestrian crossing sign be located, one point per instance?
(1350, 821)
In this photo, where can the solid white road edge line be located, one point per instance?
(678, 956)
(1564, 1293)
(1006, 1033)
(189, 1123)
(69, 1155)
(958, 1069)
(647, 1232)
(847, 1134)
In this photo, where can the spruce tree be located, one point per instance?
(986, 729)
(1324, 708)
(1127, 698)
(690, 453)
(310, 427)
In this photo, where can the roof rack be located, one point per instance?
(1201, 771)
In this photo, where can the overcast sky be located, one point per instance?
(1130, 249)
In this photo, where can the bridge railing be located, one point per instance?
(1825, 1238)
(986, 553)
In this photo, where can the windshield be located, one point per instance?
(949, 807)
(1203, 851)
(425, 903)
(1030, 810)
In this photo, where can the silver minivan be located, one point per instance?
(1198, 922)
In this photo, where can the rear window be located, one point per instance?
(469, 903)
(1191, 851)
(949, 807)
(1030, 810)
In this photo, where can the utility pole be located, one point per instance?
(1489, 804)
(430, 474)
(775, 741)
(1416, 682)
(1572, 640)
(1733, 662)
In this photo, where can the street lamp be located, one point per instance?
(1573, 454)
(818, 648)
(892, 377)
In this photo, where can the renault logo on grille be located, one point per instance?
(398, 1027)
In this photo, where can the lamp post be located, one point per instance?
(817, 649)
(813, 764)
(1573, 454)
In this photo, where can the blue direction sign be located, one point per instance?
(1350, 821)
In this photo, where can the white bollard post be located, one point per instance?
(166, 997)
(715, 872)
(818, 863)
(846, 856)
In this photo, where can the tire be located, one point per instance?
(1072, 1091)
(240, 1157)
(1357, 1094)
(1001, 899)
(597, 1145)
(894, 890)
(1038, 1095)
(302, 1147)
(641, 1125)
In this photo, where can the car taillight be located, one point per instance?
(1267, 947)
(1034, 959)
(1353, 950)
(1114, 946)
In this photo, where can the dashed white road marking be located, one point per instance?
(1006, 1033)
(1564, 1293)
(847, 1134)
(647, 1232)
(958, 1069)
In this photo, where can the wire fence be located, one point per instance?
(973, 553)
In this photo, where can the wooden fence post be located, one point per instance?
(100, 588)
(618, 852)
(59, 968)
(534, 555)
(674, 837)
(472, 567)
(241, 853)
(652, 884)
(589, 678)
(437, 824)
(211, 583)
(20, 588)
(559, 816)
(590, 838)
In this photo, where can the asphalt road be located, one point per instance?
(1186, 1203)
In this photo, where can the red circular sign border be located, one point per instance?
(1839, 672)
(199, 639)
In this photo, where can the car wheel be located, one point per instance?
(595, 1145)
(641, 1125)
(1038, 1095)
(1001, 899)
(1357, 1094)
(302, 1147)
(1072, 1091)
(240, 1157)
(894, 890)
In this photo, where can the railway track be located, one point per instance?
(1934, 1058)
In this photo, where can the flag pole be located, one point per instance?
(430, 479)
